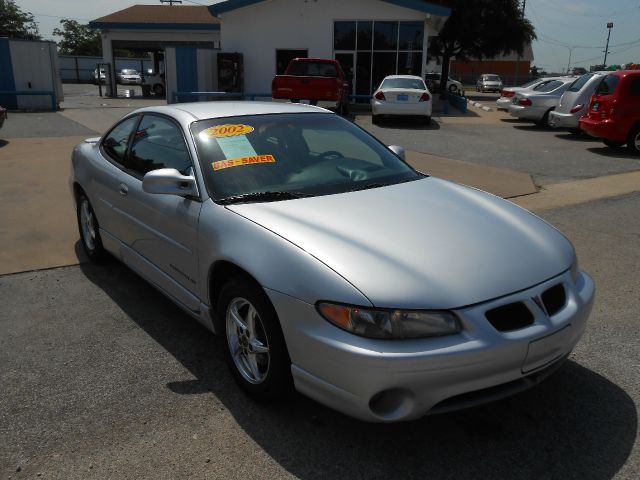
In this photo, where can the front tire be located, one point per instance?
(89, 229)
(453, 88)
(158, 89)
(634, 140)
(254, 346)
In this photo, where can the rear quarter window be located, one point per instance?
(580, 82)
(608, 85)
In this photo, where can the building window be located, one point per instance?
(381, 48)
(283, 57)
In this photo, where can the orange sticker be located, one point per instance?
(228, 130)
(237, 162)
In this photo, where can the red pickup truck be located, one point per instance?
(317, 80)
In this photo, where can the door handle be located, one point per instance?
(123, 189)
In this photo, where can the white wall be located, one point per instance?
(258, 30)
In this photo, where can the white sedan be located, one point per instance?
(402, 95)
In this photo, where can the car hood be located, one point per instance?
(426, 244)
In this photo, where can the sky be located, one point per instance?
(566, 29)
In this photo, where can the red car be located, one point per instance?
(614, 111)
(320, 81)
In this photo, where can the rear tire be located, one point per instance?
(544, 121)
(253, 342)
(612, 143)
(634, 140)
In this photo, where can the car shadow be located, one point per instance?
(534, 127)
(576, 138)
(576, 424)
(614, 152)
(408, 123)
(513, 120)
(3, 143)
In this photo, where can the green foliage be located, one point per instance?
(78, 39)
(15, 23)
(481, 29)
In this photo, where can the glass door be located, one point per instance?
(347, 62)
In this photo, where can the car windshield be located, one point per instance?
(579, 83)
(301, 154)
(413, 83)
(313, 69)
(492, 78)
(608, 85)
(548, 86)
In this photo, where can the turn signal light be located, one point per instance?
(425, 97)
(525, 102)
(380, 96)
(577, 108)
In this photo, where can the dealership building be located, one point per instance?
(240, 45)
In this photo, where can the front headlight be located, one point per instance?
(377, 323)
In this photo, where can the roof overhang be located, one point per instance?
(418, 5)
(153, 26)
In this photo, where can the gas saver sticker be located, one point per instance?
(228, 130)
(240, 161)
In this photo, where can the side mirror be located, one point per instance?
(398, 150)
(170, 182)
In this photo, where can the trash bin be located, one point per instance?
(146, 90)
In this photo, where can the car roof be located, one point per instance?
(412, 77)
(203, 110)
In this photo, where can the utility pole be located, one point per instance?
(170, 2)
(524, 5)
(606, 49)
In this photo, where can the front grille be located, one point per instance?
(554, 299)
(512, 316)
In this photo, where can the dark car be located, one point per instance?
(614, 111)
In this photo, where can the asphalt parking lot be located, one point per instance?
(103, 377)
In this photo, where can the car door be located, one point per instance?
(108, 176)
(162, 230)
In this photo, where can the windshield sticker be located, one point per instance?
(221, 131)
(237, 146)
(240, 161)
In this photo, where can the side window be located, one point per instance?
(158, 143)
(116, 143)
(635, 87)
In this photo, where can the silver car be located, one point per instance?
(537, 104)
(489, 83)
(507, 93)
(574, 103)
(129, 76)
(326, 263)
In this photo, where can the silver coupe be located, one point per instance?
(326, 263)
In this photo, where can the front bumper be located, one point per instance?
(607, 129)
(130, 81)
(564, 120)
(397, 380)
(388, 108)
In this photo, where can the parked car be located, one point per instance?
(614, 110)
(536, 105)
(318, 81)
(507, 93)
(402, 95)
(435, 80)
(574, 102)
(3, 115)
(325, 262)
(129, 76)
(156, 82)
(103, 76)
(489, 83)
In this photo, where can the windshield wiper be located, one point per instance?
(262, 197)
(369, 186)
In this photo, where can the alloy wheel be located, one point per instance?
(87, 224)
(247, 341)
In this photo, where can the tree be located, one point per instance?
(78, 39)
(15, 23)
(480, 29)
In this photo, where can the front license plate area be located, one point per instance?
(403, 98)
(545, 350)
